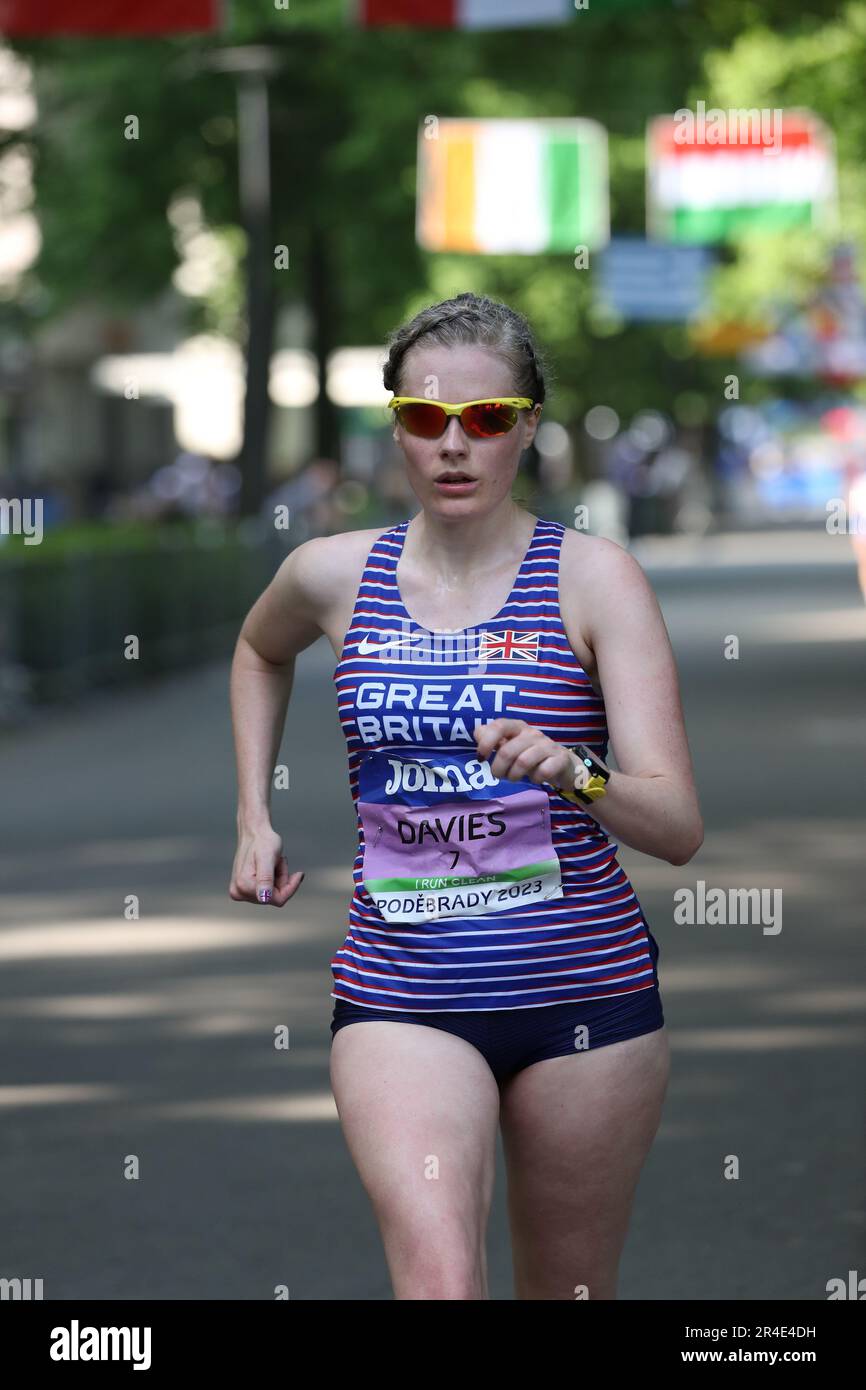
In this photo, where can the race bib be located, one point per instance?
(444, 838)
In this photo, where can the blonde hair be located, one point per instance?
(472, 319)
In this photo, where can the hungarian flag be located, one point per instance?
(512, 186)
(721, 171)
(466, 14)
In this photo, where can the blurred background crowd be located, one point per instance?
(211, 218)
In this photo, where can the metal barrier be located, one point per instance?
(66, 619)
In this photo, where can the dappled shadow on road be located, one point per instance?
(155, 1038)
(157, 1041)
(763, 1123)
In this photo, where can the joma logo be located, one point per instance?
(413, 777)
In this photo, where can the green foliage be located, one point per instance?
(89, 538)
(346, 106)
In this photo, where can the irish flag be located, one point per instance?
(713, 172)
(504, 186)
(466, 14)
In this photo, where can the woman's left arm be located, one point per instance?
(651, 802)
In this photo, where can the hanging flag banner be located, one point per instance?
(725, 337)
(44, 18)
(512, 186)
(488, 14)
(712, 173)
(466, 14)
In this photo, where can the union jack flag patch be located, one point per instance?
(509, 646)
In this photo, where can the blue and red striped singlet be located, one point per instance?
(471, 892)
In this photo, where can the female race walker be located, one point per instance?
(498, 967)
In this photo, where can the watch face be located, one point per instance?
(587, 767)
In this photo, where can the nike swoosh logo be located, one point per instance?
(368, 648)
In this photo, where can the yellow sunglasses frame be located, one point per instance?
(521, 402)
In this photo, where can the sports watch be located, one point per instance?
(596, 784)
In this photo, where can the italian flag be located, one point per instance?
(512, 186)
(466, 14)
(730, 175)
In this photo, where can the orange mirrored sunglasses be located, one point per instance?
(485, 419)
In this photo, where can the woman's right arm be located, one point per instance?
(283, 621)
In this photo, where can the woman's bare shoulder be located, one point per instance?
(582, 547)
(598, 579)
(597, 561)
(325, 566)
(308, 589)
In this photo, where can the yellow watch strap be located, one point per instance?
(595, 789)
(571, 796)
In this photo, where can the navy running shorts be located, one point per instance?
(511, 1039)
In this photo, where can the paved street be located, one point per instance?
(154, 1037)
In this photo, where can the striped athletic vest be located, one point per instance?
(471, 892)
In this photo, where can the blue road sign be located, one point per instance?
(649, 280)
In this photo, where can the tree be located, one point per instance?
(346, 105)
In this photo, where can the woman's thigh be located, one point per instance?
(419, 1109)
(576, 1131)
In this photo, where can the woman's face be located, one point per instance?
(452, 375)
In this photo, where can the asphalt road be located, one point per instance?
(150, 1039)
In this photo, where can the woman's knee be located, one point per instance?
(436, 1262)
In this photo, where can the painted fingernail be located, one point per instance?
(264, 895)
